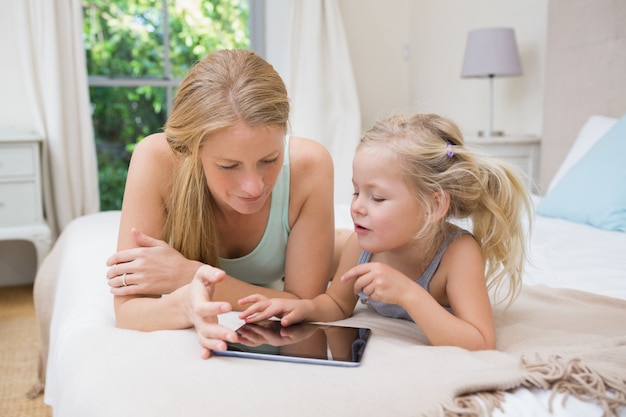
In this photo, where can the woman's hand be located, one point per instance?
(203, 311)
(290, 311)
(153, 268)
(380, 282)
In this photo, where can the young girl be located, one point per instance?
(412, 175)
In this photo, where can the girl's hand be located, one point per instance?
(153, 268)
(203, 311)
(273, 333)
(290, 311)
(379, 281)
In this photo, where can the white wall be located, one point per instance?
(378, 35)
(407, 55)
(433, 34)
(14, 108)
(585, 72)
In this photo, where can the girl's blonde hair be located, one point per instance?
(430, 150)
(224, 88)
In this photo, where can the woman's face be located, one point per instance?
(386, 216)
(241, 165)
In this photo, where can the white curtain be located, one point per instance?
(321, 85)
(52, 61)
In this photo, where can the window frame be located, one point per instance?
(256, 22)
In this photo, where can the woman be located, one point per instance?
(222, 187)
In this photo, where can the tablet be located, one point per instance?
(311, 343)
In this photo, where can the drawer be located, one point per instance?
(17, 160)
(19, 204)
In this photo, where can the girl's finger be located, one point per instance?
(354, 272)
(254, 298)
(252, 310)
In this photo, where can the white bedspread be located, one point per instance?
(96, 370)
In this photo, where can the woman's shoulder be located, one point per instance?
(308, 157)
(152, 160)
(310, 162)
(153, 150)
(155, 145)
(311, 178)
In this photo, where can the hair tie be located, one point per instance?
(449, 150)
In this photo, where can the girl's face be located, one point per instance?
(241, 165)
(386, 216)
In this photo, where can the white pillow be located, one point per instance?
(596, 127)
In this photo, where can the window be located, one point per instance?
(137, 53)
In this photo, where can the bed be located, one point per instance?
(561, 346)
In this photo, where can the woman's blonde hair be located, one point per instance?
(430, 150)
(224, 88)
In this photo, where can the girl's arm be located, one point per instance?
(460, 283)
(337, 303)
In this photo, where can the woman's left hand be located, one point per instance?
(152, 268)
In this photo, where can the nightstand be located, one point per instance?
(522, 151)
(21, 202)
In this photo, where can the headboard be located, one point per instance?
(585, 72)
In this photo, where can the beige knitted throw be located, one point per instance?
(567, 341)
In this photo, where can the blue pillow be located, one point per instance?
(593, 191)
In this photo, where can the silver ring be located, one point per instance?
(124, 280)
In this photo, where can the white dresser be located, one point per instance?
(522, 151)
(21, 201)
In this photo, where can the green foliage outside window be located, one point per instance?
(125, 39)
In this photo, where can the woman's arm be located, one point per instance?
(151, 265)
(190, 305)
(311, 216)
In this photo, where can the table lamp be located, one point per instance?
(489, 53)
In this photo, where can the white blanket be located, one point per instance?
(95, 369)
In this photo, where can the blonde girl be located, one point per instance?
(413, 178)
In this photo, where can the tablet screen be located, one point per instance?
(304, 342)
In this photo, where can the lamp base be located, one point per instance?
(484, 134)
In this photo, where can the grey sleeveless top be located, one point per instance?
(394, 310)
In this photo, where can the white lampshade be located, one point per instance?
(491, 52)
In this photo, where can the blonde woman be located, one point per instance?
(412, 176)
(223, 195)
